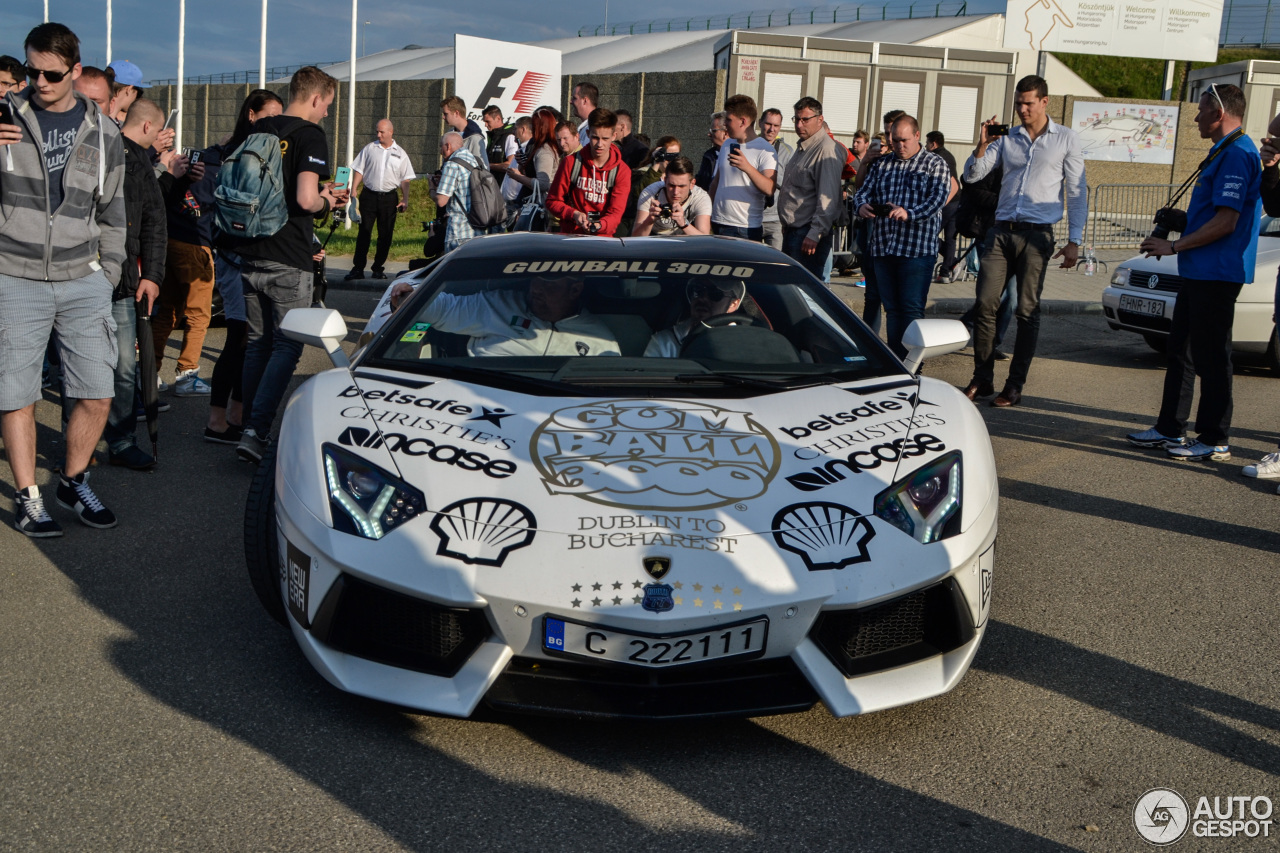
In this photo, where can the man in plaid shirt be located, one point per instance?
(453, 193)
(904, 195)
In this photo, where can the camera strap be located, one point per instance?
(1229, 141)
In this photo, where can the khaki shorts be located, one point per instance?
(79, 311)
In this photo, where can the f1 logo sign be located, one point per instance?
(528, 94)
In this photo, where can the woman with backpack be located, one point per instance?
(225, 399)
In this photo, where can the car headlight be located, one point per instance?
(925, 504)
(364, 500)
(1120, 278)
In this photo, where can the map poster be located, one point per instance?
(1154, 29)
(1126, 133)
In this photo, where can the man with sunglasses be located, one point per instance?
(707, 298)
(63, 196)
(809, 200)
(1217, 254)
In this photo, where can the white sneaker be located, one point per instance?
(1267, 469)
(161, 385)
(189, 384)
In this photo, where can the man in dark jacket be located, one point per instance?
(144, 247)
(718, 133)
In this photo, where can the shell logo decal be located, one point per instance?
(655, 454)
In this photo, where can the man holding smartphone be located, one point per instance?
(64, 247)
(1041, 160)
(744, 174)
(278, 270)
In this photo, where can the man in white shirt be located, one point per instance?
(384, 168)
(586, 97)
(744, 176)
(673, 206)
(708, 297)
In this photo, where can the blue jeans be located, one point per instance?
(793, 246)
(756, 234)
(271, 290)
(904, 287)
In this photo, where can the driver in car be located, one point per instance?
(547, 319)
(707, 298)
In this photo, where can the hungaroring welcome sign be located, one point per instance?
(1155, 29)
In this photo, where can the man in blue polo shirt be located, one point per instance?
(1216, 257)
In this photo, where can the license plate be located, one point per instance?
(607, 644)
(1138, 305)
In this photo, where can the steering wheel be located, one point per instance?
(733, 318)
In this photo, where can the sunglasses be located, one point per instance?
(52, 76)
(710, 292)
(1213, 90)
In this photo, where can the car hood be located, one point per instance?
(605, 466)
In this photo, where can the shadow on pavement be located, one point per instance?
(1169, 706)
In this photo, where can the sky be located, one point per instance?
(222, 35)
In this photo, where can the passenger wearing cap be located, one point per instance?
(124, 89)
(707, 298)
(546, 319)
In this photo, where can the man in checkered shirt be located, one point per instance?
(453, 190)
(904, 195)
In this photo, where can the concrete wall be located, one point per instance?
(676, 103)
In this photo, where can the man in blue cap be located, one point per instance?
(124, 89)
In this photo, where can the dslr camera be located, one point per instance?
(881, 209)
(1169, 219)
(664, 212)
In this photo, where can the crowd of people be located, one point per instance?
(111, 224)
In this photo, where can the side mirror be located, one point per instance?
(318, 327)
(931, 338)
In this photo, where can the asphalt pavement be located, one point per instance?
(148, 703)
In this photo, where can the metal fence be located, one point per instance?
(844, 13)
(1120, 214)
(276, 72)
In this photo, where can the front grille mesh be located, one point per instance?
(887, 627)
(373, 622)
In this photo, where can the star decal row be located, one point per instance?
(716, 603)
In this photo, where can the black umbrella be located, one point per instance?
(147, 378)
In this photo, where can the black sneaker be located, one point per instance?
(231, 435)
(354, 275)
(30, 516)
(380, 275)
(76, 496)
(133, 457)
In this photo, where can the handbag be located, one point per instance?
(533, 214)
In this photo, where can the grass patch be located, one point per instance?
(407, 239)
(1123, 77)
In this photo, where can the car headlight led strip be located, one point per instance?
(926, 503)
(364, 500)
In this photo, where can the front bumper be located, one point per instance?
(445, 653)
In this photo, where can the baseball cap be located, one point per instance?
(128, 74)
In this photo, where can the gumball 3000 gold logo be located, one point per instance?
(655, 454)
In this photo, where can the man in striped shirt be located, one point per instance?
(903, 196)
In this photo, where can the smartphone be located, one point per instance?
(343, 178)
(733, 146)
(168, 123)
(6, 115)
(192, 155)
(998, 130)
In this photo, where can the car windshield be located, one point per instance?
(1269, 226)
(609, 322)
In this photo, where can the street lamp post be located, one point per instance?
(262, 50)
(364, 40)
(351, 92)
(108, 32)
(182, 61)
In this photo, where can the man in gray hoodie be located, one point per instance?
(62, 245)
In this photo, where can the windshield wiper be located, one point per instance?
(751, 381)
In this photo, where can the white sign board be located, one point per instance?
(514, 77)
(1156, 29)
(1126, 133)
